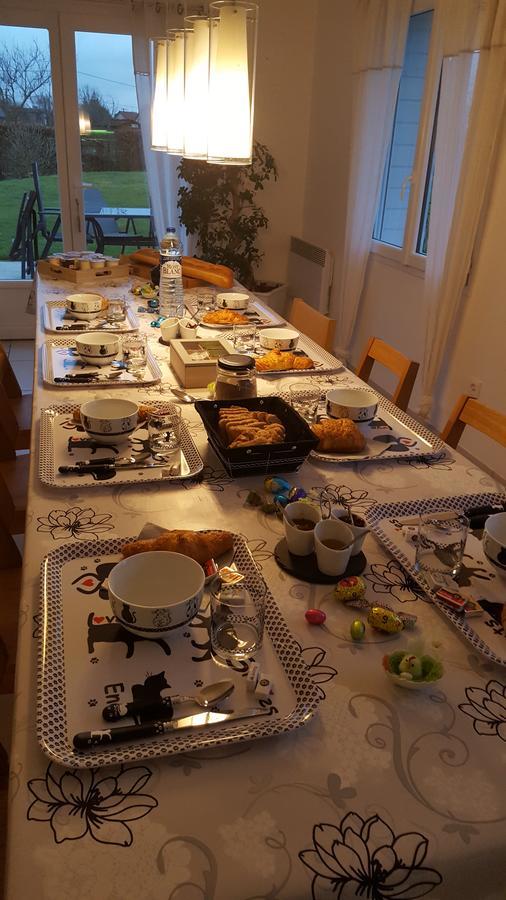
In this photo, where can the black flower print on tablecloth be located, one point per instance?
(314, 658)
(77, 523)
(487, 707)
(96, 802)
(214, 479)
(439, 461)
(364, 858)
(393, 580)
(341, 495)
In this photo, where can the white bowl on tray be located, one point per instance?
(109, 421)
(232, 300)
(153, 593)
(85, 306)
(494, 541)
(348, 403)
(279, 338)
(97, 347)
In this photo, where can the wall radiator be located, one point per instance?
(310, 271)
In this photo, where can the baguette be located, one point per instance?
(198, 545)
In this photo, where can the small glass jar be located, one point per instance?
(236, 377)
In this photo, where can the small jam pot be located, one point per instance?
(236, 377)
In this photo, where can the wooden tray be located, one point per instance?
(75, 276)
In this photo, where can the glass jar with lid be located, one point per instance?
(236, 377)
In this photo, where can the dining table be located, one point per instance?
(381, 793)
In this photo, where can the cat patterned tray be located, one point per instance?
(64, 442)
(392, 434)
(325, 363)
(87, 661)
(478, 575)
(55, 319)
(257, 313)
(59, 359)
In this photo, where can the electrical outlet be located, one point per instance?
(474, 388)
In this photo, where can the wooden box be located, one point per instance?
(86, 276)
(194, 361)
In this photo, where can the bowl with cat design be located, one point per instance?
(154, 592)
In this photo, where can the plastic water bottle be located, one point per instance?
(171, 296)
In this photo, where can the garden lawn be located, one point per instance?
(118, 189)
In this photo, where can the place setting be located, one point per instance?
(83, 312)
(99, 359)
(221, 310)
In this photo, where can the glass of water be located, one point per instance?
(304, 398)
(164, 432)
(440, 544)
(245, 338)
(116, 310)
(134, 351)
(237, 620)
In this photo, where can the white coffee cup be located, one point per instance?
(494, 541)
(330, 561)
(188, 329)
(359, 532)
(300, 543)
(169, 328)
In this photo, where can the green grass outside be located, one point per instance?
(118, 189)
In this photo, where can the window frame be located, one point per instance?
(407, 254)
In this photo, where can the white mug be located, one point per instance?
(169, 328)
(332, 562)
(300, 543)
(359, 532)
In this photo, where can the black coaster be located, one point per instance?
(306, 568)
(165, 343)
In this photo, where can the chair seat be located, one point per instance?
(22, 409)
(14, 475)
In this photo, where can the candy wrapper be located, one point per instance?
(230, 574)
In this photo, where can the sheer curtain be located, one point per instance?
(149, 20)
(379, 52)
(472, 101)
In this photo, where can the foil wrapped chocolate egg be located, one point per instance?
(357, 630)
(384, 620)
(315, 616)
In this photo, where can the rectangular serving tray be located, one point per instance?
(86, 660)
(478, 574)
(53, 315)
(57, 362)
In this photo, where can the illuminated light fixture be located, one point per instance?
(84, 122)
(158, 65)
(174, 113)
(232, 57)
(196, 78)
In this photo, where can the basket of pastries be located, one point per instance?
(262, 435)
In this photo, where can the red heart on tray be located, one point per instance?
(98, 619)
(88, 582)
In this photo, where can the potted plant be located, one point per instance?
(217, 204)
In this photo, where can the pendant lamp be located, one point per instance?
(158, 67)
(175, 91)
(196, 78)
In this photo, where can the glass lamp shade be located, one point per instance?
(84, 122)
(158, 56)
(196, 78)
(175, 91)
(232, 49)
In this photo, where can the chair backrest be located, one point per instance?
(94, 200)
(24, 226)
(8, 380)
(313, 323)
(395, 361)
(468, 411)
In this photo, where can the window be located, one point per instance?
(402, 220)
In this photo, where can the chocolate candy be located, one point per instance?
(385, 620)
(315, 616)
(350, 590)
(281, 500)
(357, 630)
(276, 485)
(296, 494)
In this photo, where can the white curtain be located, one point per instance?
(472, 99)
(149, 20)
(381, 36)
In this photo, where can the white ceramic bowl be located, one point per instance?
(97, 347)
(494, 540)
(152, 593)
(85, 306)
(333, 561)
(348, 403)
(232, 301)
(109, 421)
(279, 338)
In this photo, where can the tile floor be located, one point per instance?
(21, 356)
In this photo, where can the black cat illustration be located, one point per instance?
(112, 632)
(397, 444)
(147, 703)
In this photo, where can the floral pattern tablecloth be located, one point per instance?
(385, 794)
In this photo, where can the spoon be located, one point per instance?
(207, 697)
(182, 395)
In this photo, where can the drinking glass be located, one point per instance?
(245, 338)
(134, 351)
(116, 310)
(440, 544)
(164, 431)
(237, 620)
(305, 397)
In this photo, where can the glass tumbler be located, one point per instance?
(134, 351)
(304, 398)
(116, 310)
(440, 544)
(237, 620)
(164, 432)
(245, 338)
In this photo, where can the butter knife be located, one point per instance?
(114, 465)
(84, 740)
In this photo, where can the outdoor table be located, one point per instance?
(386, 793)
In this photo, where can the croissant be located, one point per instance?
(198, 545)
(278, 361)
(224, 317)
(339, 436)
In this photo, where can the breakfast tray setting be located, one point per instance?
(63, 442)
(325, 363)
(59, 360)
(56, 320)
(256, 314)
(88, 661)
(485, 581)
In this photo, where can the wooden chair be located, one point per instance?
(15, 411)
(313, 323)
(13, 492)
(405, 369)
(468, 411)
